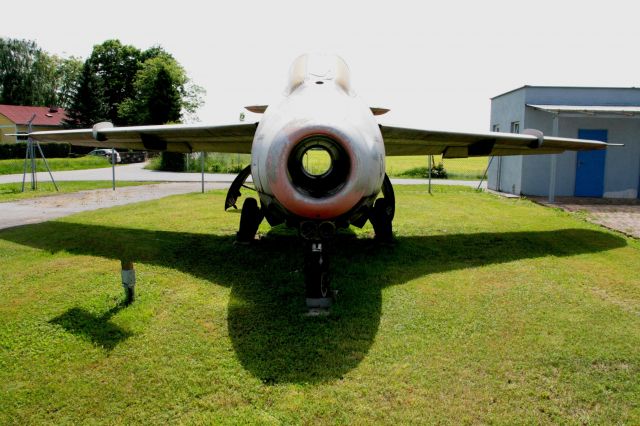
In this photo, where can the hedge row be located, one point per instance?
(50, 150)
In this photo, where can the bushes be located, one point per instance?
(437, 172)
(18, 150)
(171, 162)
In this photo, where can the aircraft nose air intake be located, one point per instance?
(322, 173)
(319, 166)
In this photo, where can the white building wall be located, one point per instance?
(536, 169)
(529, 175)
(504, 111)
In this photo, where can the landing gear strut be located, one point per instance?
(317, 239)
(316, 275)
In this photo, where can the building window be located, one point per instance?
(495, 128)
(515, 127)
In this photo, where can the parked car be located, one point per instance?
(134, 157)
(106, 153)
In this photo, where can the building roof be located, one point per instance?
(45, 116)
(527, 86)
(589, 109)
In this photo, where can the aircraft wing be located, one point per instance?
(236, 138)
(405, 141)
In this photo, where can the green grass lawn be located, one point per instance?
(13, 191)
(486, 310)
(8, 167)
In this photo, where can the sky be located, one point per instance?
(434, 64)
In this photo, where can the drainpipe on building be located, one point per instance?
(554, 163)
(499, 175)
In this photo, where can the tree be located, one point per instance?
(31, 76)
(161, 92)
(26, 74)
(115, 65)
(126, 86)
(106, 81)
(67, 80)
(87, 107)
(115, 68)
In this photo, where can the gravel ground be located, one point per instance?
(41, 209)
(622, 215)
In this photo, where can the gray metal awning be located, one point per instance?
(590, 110)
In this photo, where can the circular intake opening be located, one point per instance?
(318, 166)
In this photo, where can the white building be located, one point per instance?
(608, 114)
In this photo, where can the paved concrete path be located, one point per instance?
(137, 173)
(41, 209)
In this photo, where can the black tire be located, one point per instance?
(250, 219)
(381, 218)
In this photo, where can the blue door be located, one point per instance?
(590, 166)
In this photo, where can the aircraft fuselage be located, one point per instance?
(319, 112)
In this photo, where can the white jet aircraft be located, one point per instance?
(319, 112)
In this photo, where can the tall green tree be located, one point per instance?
(27, 74)
(127, 86)
(115, 68)
(87, 106)
(31, 76)
(162, 92)
(115, 65)
(67, 80)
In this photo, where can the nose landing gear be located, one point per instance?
(316, 239)
(316, 275)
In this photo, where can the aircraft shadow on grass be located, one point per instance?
(271, 337)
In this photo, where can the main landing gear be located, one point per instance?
(382, 213)
(250, 219)
(251, 214)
